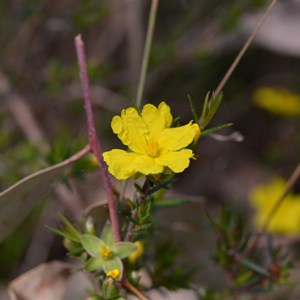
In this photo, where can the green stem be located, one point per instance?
(148, 44)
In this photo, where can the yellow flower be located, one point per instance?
(113, 273)
(136, 254)
(287, 218)
(278, 101)
(154, 146)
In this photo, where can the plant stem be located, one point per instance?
(93, 141)
(243, 50)
(78, 154)
(293, 178)
(148, 44)
(134, 290)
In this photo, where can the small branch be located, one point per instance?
(93, 141)
(148, 43)
(243, 50)
(134, 290)
(78, 154)
(292, 180)
(295, 175)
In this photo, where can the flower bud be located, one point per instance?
(89, 226)
(69, 245)
(110, 288)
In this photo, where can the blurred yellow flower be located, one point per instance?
(277, 101)
(287, 218)
(138, 253)
(154, 146)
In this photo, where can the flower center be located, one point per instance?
(152, 148)
(105, 252)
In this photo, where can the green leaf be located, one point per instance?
(205, 109)
(61, 233)
(193, 109)
(73, 233)
(94, 264)
(76, 251)
(243, 277)
(132, 220)
(245, 242)
(210, 108)
(124, 249)
(213, 129)
(168, 203)
(254, 267)
(91, 244)
(18, 200)
(145, 226)
(107, 235)
(112, 264)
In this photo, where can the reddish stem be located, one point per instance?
(93, 141)
(134, 290)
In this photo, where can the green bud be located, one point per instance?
(89, 226)
(110, 288)
(69, 245)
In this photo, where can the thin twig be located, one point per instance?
(134, 290)
(135, 36)
(148, 43)
(295, 175)
(93, 141)
(293, 178)
(243, 50)
(90, 207)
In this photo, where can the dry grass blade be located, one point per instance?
(243, 50)
(17, 201)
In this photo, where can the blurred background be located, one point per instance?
(41, 107)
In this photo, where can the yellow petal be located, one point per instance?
(122, 164)
(197, 132)
(177, 161)
(157, 119)
(177, 138)
(119, 163)
(131, 130)
(133, 257)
